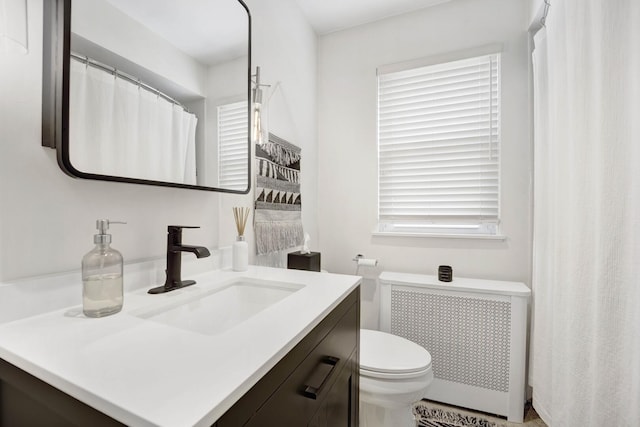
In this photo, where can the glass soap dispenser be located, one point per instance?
(102, 292)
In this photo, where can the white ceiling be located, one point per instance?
(211, 31)
(214, 31)
(327, 16)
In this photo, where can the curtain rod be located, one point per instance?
(112, 70)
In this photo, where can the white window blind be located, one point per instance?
(438, 144)
(233, 128)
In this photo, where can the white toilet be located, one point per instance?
(394, 373)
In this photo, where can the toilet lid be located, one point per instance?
(390, 354)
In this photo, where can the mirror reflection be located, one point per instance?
(158, 91)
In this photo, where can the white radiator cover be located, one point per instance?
(475, 331)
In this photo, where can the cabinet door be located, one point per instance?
(316, 381)
(339, 407)
(28, 401)
(322, 376)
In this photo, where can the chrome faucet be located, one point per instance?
(174, 259)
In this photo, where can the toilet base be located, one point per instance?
(378, 416)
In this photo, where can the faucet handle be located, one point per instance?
(177, 229)
(174, 233)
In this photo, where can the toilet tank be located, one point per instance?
(475, 331)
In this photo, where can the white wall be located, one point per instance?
(536, 11)
(347, 138)
(47, 219)
(284, 46)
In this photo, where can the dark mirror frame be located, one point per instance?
(55, 96)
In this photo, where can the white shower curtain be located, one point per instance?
(117, 128)
(585, 354)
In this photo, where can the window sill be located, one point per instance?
(440, 235)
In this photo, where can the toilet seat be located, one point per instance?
(387, 356)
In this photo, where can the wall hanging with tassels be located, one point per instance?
(278, 213)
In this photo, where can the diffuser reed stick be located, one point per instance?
(241, 215)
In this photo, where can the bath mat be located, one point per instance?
(427, 423)
(277, 217)
(428, 415)
(433, 414)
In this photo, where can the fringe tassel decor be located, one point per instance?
(278, 235)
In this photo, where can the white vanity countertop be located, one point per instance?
(144, 373)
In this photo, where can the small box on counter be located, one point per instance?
(445, 273)
(299, 261)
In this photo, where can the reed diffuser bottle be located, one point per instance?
(240, 255)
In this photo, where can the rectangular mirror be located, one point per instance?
(149, 91)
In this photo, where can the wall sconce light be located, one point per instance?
(258, 108)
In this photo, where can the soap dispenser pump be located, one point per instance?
(102, 292)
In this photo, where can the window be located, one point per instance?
(438, 148)
(232, 146)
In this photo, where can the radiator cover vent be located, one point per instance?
(468, 337)
(475, 331)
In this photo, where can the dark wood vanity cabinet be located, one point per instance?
(316, 384)
(28, 401)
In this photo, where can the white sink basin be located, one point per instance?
(222, 308)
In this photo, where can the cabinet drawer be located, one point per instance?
(305, 390)
(279, 397)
